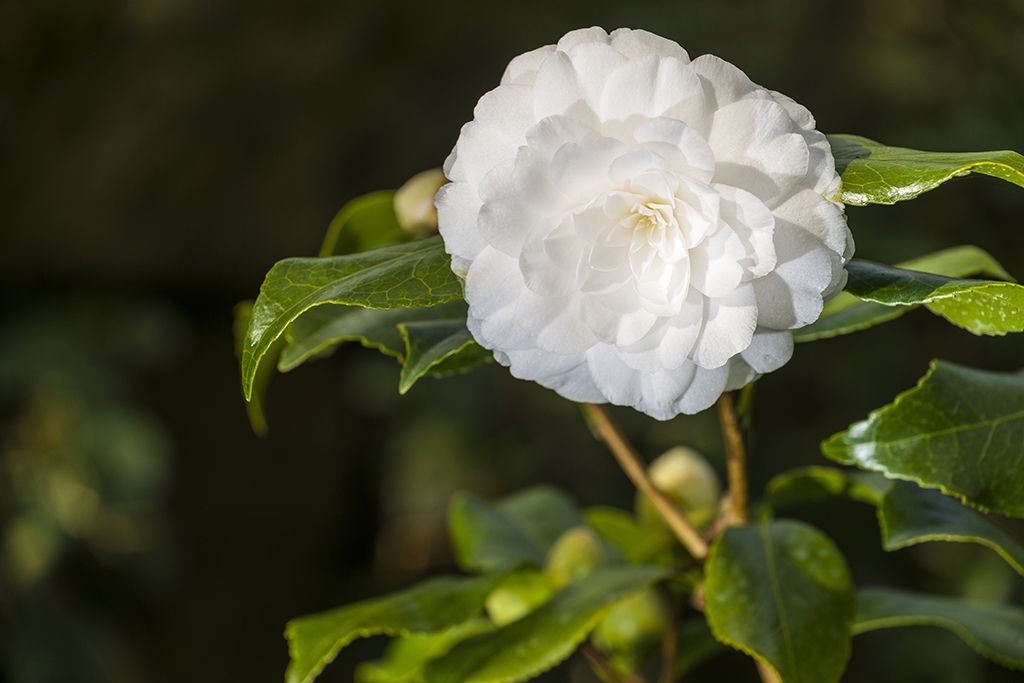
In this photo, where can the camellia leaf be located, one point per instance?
(907, 514)
(873, 173)
(984, 307)
(910, 515)
(695, 645)
(255, 404)
(431, 607)
(400, 276)
(635, 542)
(545, 637)
(781, 592)
(365, 223)
(994, 631)
(845, 313)
(407, 656)
(518, 530)
(423, 339)
(441, 345)
(959, 430)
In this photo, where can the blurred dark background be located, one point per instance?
(157, 156)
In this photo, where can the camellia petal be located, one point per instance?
(637, 228)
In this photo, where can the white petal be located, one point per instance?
(728, 328)
(706, 388)
(638, 43)
(457, 209)
(594, 34)
(522, 70)
(647, 86)
(769, 350)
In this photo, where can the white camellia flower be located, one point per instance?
(637, 228)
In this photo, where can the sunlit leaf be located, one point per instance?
(873, 173)
(845, 313)
(781, 592)
(255, 404)
(960, 430)
(400, 276)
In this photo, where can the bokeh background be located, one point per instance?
(157, 156)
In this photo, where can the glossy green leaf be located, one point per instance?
(407, 656)
(545, 637)
(873, 173)
(433, 606)
(845, 313)
(781, 592)
(401, 276)
(518, 530)
(994, 631)
(255, 404)
(365, 223)
(960, 430)
(910, 515)
(441, 345)
(983, 307)
(816, 483)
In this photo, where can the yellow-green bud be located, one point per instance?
(688, 481)
(632, 625)
(517, 596)
(575, 554)
(414, 203)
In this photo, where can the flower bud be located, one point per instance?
(517, 596)
(688, 481)
(575, 554)
(631, 626)
(414, 203)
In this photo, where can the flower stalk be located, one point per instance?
(736, 460)
(630, 463)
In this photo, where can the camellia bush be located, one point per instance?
(626, 226)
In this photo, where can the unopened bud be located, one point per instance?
(517, 596)
(414, 203)
(632, 625)
(688, 481)
(575, 554)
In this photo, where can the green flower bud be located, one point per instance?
(688, 481)
(575, 554)
(414, 203)
(517, 596)
(632, 626)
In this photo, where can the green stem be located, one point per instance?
(736, 460)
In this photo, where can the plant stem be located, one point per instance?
(630, 463)
(669, 649)
(736, 459)
(767, 675)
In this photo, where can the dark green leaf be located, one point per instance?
(433, 606)
(910, 515)
(407, 656)
(518, 530)
(781, 592)
(401, 276)
(876, 174)
(545, 637)
(845, 313)
(365, 223)
(959, 430)
(994, 631)
(442, 345)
